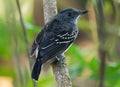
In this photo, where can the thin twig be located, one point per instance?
(24, 29)
(25, 37)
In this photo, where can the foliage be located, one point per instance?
(83, 62)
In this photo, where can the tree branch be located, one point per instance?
(61, 73)
(59, 67)
(102, 45)
(50, 9)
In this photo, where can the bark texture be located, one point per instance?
(60, 70)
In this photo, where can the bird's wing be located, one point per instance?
(53, 40)
(53, 44)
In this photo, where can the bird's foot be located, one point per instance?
(60, 57)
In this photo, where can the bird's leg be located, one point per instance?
(60, 57)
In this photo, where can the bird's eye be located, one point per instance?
(69, 14)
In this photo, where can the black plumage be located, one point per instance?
(55, 38)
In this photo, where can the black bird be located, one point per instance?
(55, 38)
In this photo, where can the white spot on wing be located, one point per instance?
(64, 34)
(56, 40)
(63, 42)
(47, 46)
(36, 53)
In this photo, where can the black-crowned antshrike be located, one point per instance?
(55, 38)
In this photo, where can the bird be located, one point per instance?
(55, 38)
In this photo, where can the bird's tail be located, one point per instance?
(36, 69)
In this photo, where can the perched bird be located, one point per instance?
(55, 38)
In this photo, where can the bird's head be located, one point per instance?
(70, 14)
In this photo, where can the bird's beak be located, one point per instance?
(82, 12)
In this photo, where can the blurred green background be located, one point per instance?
(82, 57)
